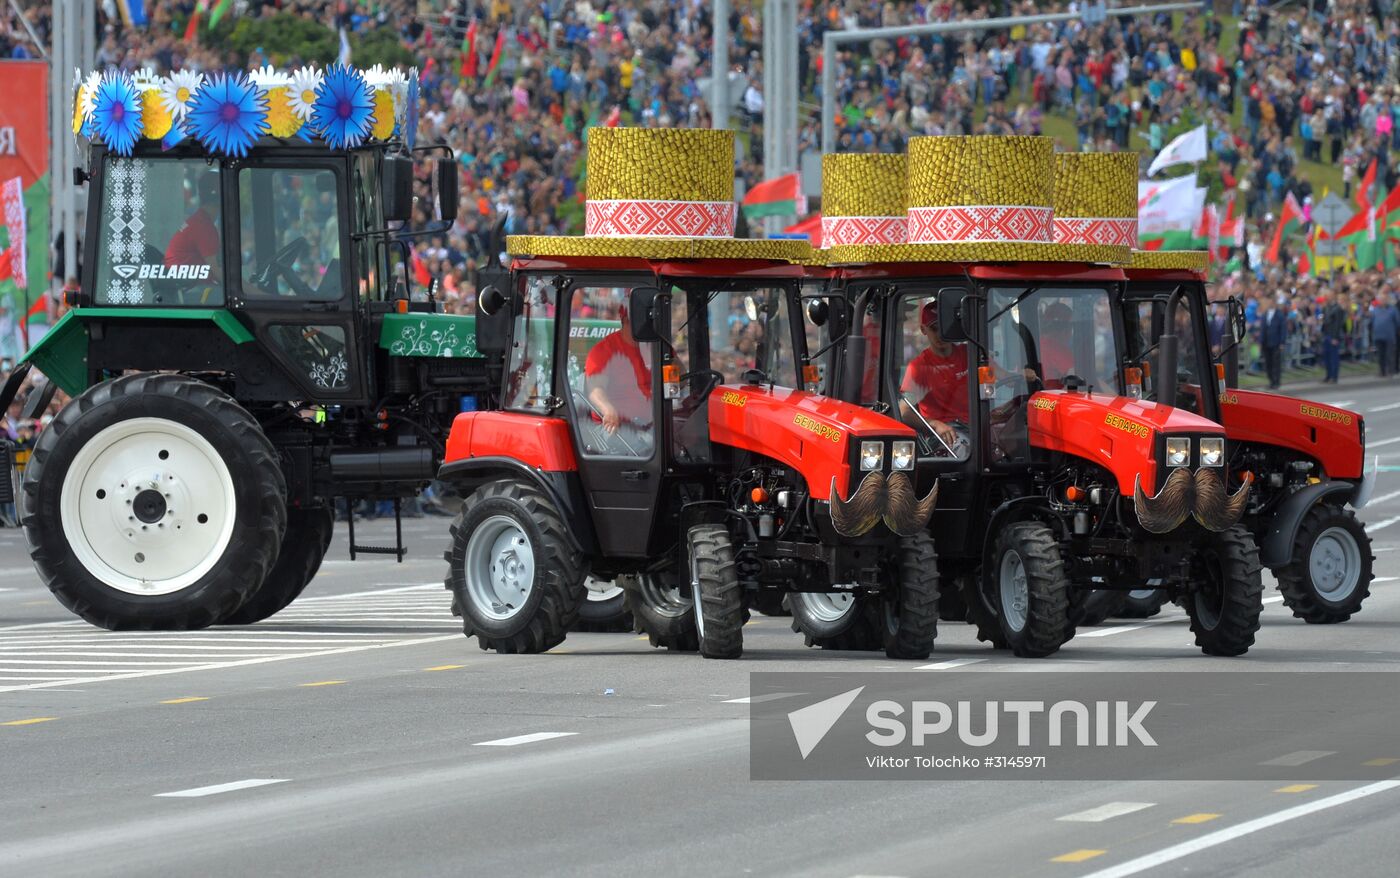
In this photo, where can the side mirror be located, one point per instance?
(446, 171)
(644, 311)
(1237, 325)
(950, 325)
(817, 312)
(396, 187)
(491, 301)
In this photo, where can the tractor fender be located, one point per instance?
(562, 487)
(1276, 543)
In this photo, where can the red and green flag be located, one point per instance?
(495, 57)
(780, 196)
(469, 51)
(1290, 219)
(1368, 184)
(220, 10)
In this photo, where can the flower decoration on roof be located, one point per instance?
(384, 115)
(155, 119)
(410, 127)
(145, 78)
(227, 114)
(177, 89)
(302, 93)
(282, 121)
(344, 108)
(268, 77)
(78, 100)
(116, 114)
(90, 84)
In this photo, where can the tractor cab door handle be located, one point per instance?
(634, 475)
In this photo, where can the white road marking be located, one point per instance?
(1121, 629)
(1276, 599)
(1377, 579)
(950, 664)
(523, 739)
(1341, 404)
(1106, 812)
(1219, 837)
(1299, 757)
(759, 699)
(1383, 408)
(1384, 497)
(1370, 445)
(200, 792)
(1372, 528)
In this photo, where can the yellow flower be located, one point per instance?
(155, 119)
(383, 114)
(281, 121)
(78, 110)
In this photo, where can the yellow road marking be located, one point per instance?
(1196, 818)
(185, 700)
(29, 722)
(1078, 856)
(1384, 761)
(445, 668)
(642, 637)
(1297, 788)
(325, 683)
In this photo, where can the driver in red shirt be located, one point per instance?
(1056, 356)
(935, 381)
(197, 242)
(618, 379)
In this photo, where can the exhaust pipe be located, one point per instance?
(1167, 352)
(413, 464)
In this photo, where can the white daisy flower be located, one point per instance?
(177, 89)
(268, 78)
(145, 78)
(302, 94)
(397, 83)
(376, 76)
(90, 86)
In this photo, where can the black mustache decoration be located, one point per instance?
(1203, 497)
(879, 497)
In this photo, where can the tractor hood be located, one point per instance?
(1330, 435)
(812, 433)
(1116, 432)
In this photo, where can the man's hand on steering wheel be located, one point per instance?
(281, 265)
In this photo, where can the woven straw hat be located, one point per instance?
(1167, 260)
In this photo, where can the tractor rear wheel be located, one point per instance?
(911, 607)
(1143, 603)
(1329, 575)
(718, 596)
(512, 570)
(304, 547)
(980, 613)
(835, 620)
(1030, 591)
(603, 608)
(1229, 596)
(152, 502)
(662, 609)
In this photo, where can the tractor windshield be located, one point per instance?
(160, 233)
(1145, 321)
(750, 329)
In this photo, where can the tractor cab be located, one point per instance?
(1305, 459)
(660, 428)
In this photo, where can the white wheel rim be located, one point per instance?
(1142, 594)
(600, 591)
(826, 606)
(1015, 593)
(148, 506)
(1335, 564)
(695, 600)
(499, 568)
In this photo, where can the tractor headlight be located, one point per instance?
(902, 455)
(872, 454)
(1178, 451)
(1213, 451)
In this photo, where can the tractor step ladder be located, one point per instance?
(396, 550)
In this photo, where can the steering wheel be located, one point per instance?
(281, 265)
(716, 378)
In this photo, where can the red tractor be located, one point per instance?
(1305, 459)
(672, 452)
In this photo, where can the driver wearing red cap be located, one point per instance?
(936, 380)
(618, 379)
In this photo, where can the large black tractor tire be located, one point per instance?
(910, 609)
(304, 546)
(980, 613)
(512, 571)
(1096, 607)
(1329, 575)
(1143, 603)
(824, 622)
(719, 598)
(604, 608)
(1030, 591)
(153, 502)
(1224, 608)
(662, 608)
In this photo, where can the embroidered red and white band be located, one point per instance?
(863, 230)
(968, 224)
(640, 218)
(1115, 231)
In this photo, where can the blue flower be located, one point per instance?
(227, 114)
(116, 113)
(410, 124)
(343, 109)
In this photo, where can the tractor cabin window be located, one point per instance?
(751, 329)
(1147, 319)
(930, 378)
(530, 378)
(161, 240)
(289, 237)
(610, 375)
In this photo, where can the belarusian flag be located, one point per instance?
(496, 56)
(1290, 218)
(469, 51)
(811, 227)
(781, 196)
(1231, 230)
(1368, 183)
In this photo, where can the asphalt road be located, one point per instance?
(358, 733)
